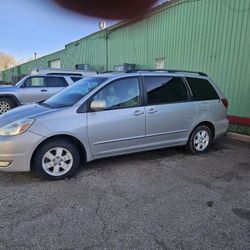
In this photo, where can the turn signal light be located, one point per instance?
(5, 164)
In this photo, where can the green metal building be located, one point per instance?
(204, 35)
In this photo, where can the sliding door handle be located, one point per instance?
(138, 112)
(152, 111)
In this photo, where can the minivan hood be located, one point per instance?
(25, 111)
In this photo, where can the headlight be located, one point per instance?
(17, 127)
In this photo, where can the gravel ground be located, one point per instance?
(164, 199)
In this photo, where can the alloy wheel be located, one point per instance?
(57, 161)
(201, 140)
(4, 107)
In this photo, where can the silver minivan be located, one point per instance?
(112, 114)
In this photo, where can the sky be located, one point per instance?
(29, 26)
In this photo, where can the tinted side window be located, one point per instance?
(32, 82)
(122, 93)
(202, 89)
(75, 78)
(56, 82)
(162, 90)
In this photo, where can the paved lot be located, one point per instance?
(163, 199)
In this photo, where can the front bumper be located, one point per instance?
(18, 149)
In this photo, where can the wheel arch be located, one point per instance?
(81, 148)
(12, 97)
(205, 123)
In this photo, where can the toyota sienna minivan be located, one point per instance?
(112, 114)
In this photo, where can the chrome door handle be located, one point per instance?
(138, 112)
(152, 111)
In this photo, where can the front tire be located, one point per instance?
(200, 140)
(6, 104)
(56, 160)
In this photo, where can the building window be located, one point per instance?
(55, 64)
(160, 63)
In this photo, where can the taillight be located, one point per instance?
(225, 102)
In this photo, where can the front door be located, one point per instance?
(120, 127)
(33, 89)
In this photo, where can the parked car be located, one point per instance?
(4, 83)
(112, 114)
(61, 71)
(34, 88)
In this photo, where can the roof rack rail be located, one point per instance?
(107, 71)
(63, 74)
(166, 70)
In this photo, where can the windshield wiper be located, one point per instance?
(42, 103)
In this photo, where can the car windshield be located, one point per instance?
(20, 82)
(75, 92)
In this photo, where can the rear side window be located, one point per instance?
(56, 82)
(75, 79)
(202, 89)
(161, 90)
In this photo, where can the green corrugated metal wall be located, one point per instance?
(206, 35)
(26, 68)
(90, 50)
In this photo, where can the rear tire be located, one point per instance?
(200, 140)
(56, 160)
(6, 104)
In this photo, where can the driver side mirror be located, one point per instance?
(98, 105)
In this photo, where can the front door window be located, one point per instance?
(120, 94)
(35, 82)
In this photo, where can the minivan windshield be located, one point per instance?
(75, 92)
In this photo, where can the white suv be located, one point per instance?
(34, 88)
